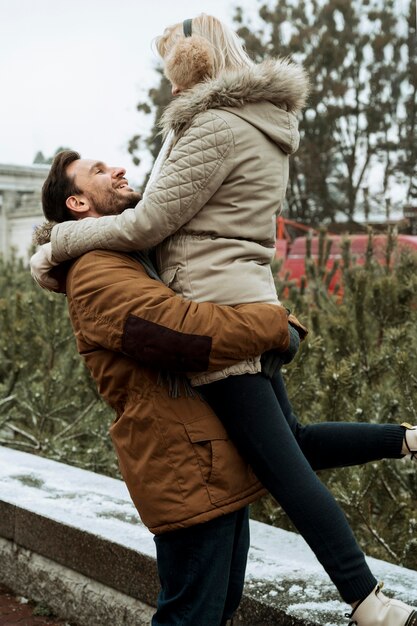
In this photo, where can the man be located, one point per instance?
(138, 339)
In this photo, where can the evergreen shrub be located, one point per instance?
(359, 363)
(48, 403)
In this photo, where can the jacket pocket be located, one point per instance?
(225, 473)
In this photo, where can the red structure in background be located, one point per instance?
(293, 249)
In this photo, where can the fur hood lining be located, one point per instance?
(279, 81)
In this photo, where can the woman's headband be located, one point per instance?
(187, 28)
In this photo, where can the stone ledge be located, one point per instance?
(69, 594)
(77, 532)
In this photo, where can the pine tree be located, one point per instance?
(48, 402)
(356, 56)
(407, 165)
(359, 363)
(158, 98)
(40, 158)
(361, 115)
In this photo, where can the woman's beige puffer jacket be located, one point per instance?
(212, 209)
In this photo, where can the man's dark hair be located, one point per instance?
(58, 187)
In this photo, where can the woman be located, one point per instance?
(210, 207)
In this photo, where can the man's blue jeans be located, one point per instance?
(202, 571)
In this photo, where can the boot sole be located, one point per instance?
(412, 619)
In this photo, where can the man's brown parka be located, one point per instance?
(175, 456)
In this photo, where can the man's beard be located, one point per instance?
(114, 203)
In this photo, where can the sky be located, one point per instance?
(73, 71)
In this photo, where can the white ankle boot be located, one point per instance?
(411, 440)
(378, 610)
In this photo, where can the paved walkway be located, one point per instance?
(13, 611)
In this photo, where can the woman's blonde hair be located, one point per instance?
(212, 48)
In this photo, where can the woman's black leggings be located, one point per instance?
(259, 419)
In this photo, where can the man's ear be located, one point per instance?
(78, 205)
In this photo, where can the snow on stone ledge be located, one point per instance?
(282, 571)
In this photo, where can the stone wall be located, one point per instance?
(72, 540)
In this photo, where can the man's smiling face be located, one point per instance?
(104, 190)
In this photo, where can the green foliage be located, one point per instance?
(48, 403)
(362, 60)
(43, 610)
(359, 363)
(361, 114)
(40, 159)
(158, 98)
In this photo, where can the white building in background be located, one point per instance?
(20, 206)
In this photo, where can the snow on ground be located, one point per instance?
(76, 497)
(282, 570)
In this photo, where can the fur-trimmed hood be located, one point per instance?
(278, 81)
(42, 233)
